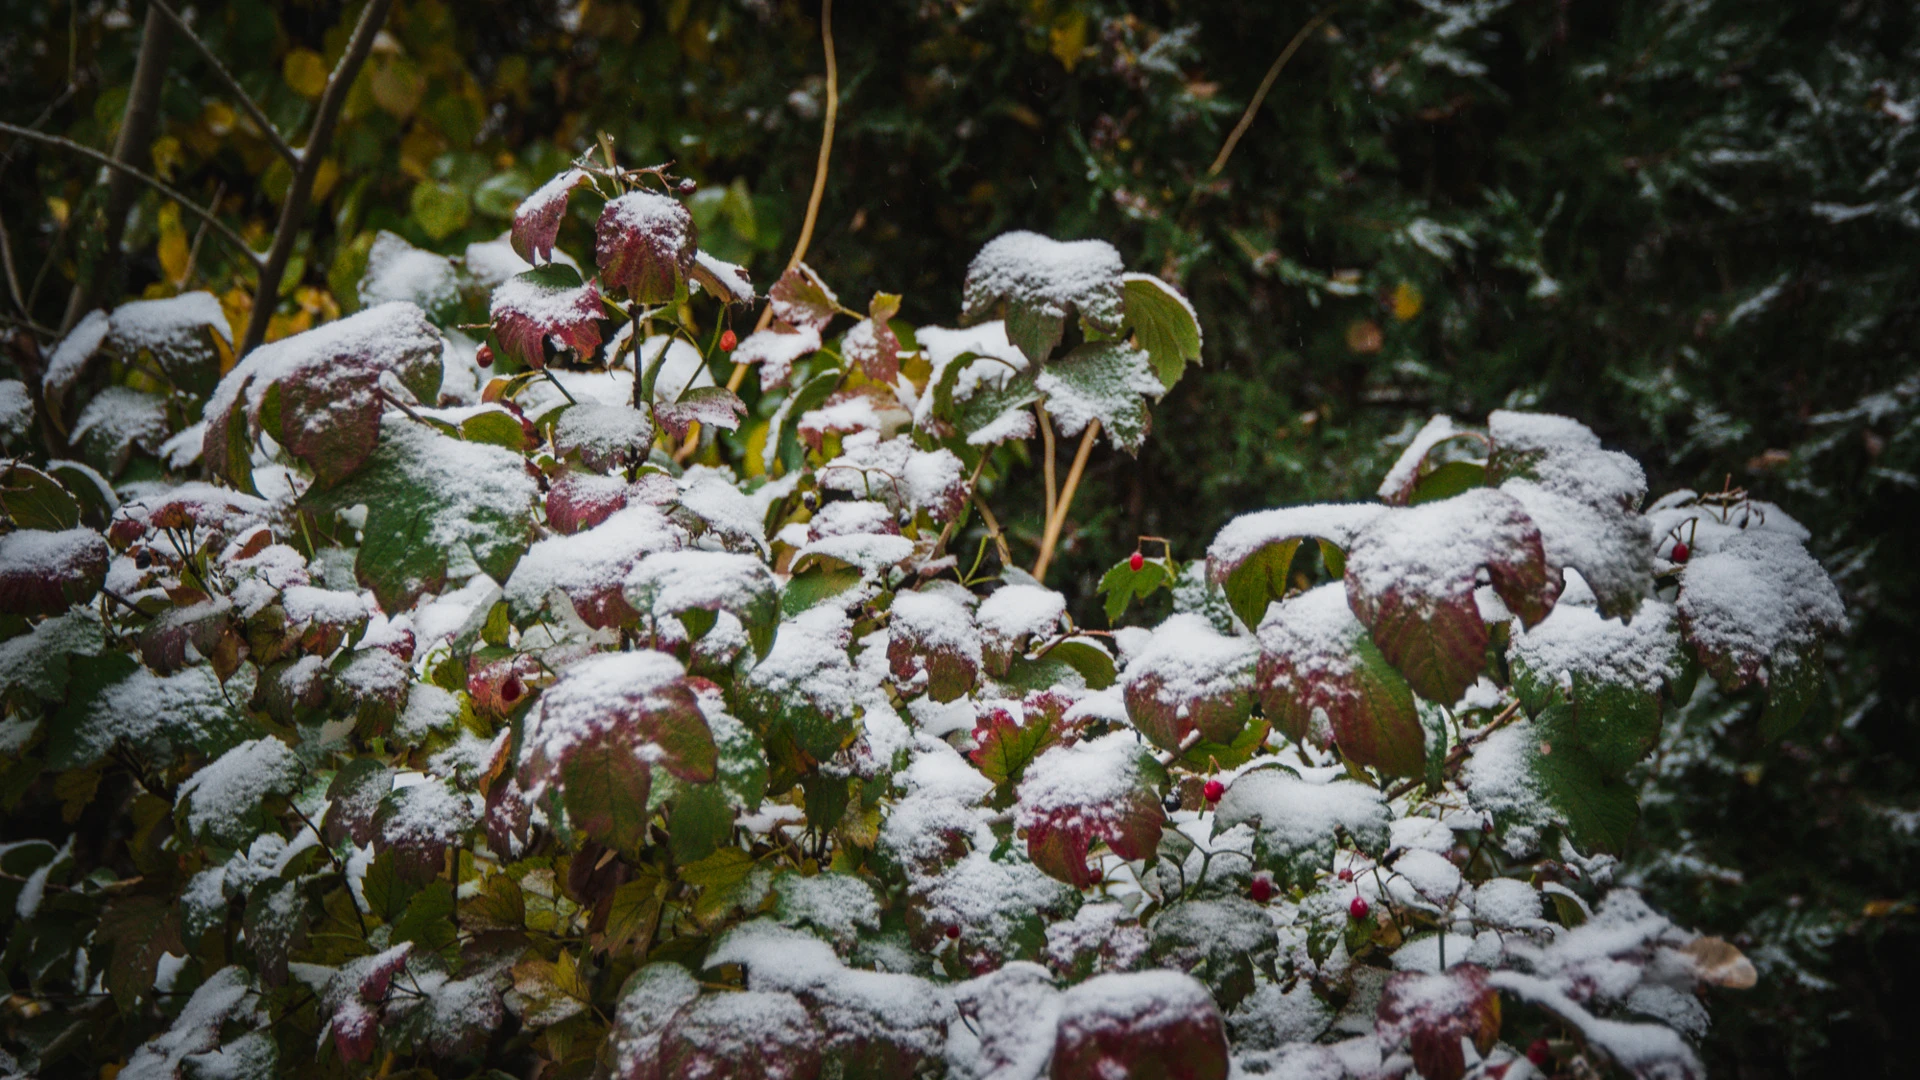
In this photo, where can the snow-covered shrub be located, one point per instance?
(536, 704)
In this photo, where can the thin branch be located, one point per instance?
(13, 278)
(294, 210)
(146, 178)
(1046, 446)
(1059, 517)
(819, 178)
(232, 84)
(1266, 84)
(993, 529)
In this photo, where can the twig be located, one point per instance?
(1046, 446)
(1188, 742)
(144, 177)
(232, 84)
(294, 209)
(1459, 751)
(1059, 516)
(819, 178)
(993, 529)
(199, 234)
(1266, 84)
(13, 279)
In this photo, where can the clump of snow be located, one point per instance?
(1048, 276)
(1016, 613)
(1337, 523)
(396, 270)
(1301, 814)
(1757, 600)
(776, 350)
(1398, 484)
(69, 358)
(1085, 787)
(1189, 661)
(223, 796)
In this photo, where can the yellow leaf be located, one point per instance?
(1407, 301)
(218, 118)
(238, 305)
(173, 244)
(397, 85)
(1719, 963)
(1067, 39)
(167, 155)
(324, 178)
(306, 72)
(756, 450)
(58, 208)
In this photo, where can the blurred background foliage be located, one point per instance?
(1689, 223)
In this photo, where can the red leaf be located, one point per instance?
(1073, 796)
(934, 635)
(1162, 1024)
(752, 1035)
(45, 573)
(543, 304)
(536, 222)
(1316, 657)
(1190, 677)
(580, 499)
(644, 244)
(1411, 576)
(1432, 1013)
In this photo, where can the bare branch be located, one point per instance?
(232, 84)
(191, 207)
(1266, 84)
(294, 210)
(1058, 519)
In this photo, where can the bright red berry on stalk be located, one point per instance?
(953, 933)
(1136, 561)
(1346, 875)
(1681, 551)
(484, 357)
(728, 339)
(1213, 790)
(1262, 889)
(1538, 1053)
(1358, 909)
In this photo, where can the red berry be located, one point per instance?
(1358, 909)
(1262, 889)
(1136, 561)
(1346, 875)
(1538, 1053)
(728, 339)
(1681, 551)
(511, 690)
(953, 933)
(1213, 790)
(484, 357)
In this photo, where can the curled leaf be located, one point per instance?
(644, 244)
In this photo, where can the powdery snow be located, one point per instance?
(1337, 523)
(1574, 639)
(1048, 275)
(1758, 597)
(1397, 485)
(1296, 814)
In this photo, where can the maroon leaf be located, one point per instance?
(871, 345)
(1160, 1024)
(419, 825)
(548, 304)
(1432, 1013)
(752, 1035)
(644, 244)
(800, 299)
(604, 782)
(579, 499)
(1190, 677)
(1411, 576)
(860, 408)
(45, 573)
(1756, 606)
(215, 515)
(184, 635)
(711, 406)
(536, 223)
(1009, 741)
(1315, 657)
(722, 279)
(1074, 796)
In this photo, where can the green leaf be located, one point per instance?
(135, 929)
(1260, 579)
(429, 921)
(1205, 756)
(699, 822)
(496, 427)
(37, 661)
(1447, 481)
(1794, 683)
(439, 209)
(1093, 663)
(1163, 324)
(1123, 584)
(1599, 808)
(814, 587)
(35, 500)
(604, 784)
(1108, 381)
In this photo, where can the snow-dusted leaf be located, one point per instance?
(597, 733)
(118, 420)
(1431, 1014)
(433, 501)
(980, 385)
(190, 633)
(1322, 678)
(708, 406)
(603, 436)
(870, 345)
(1108, 381)
(396, 270)
(1012, 618)
(1010, 736)
(1564, 456)
(801, 300)
(35, 500)
(45, 573)
(36, 662)
(1297, 819)
(644, 244)
(183, 334)
(723, 280)
(1756, 611)
(546, 307)
(319, 393)
(1225, 939)
(1611, 546)
(161, 716)
(1146, 1023)
(1610, 675)
(1190, 677)
(1529, 780)
(752, 1035)
(933, 644)
(536, 222)
(1163, 324)
(1041, 282)
(1435, 449)
(418, 824)
(1411, 576)
(802, 694)
(1075, 796)
(222, 801)
(1250, 558)
(674, 584)
(213, 514)
(68, 359)
(776, 349)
